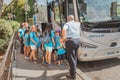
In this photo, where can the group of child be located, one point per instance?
(49, 42)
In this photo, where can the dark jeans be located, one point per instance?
(22, 47)
(72, 46)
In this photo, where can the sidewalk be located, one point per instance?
(25, 70)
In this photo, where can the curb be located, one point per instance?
(83, 75)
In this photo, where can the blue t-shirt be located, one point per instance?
(22, 32)
(61, 51)
(57, 44)
(57, 41)
(50, 44)
(34, 37)
(27, 40)
(38, 42)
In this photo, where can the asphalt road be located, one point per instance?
(101, 70)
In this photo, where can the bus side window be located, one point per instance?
(57, 11)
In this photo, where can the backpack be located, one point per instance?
(28, 39)
(17, 36)
(47, 38)
(25, 40)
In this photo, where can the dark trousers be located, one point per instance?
(22, 47)
(72, 46)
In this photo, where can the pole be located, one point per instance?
(26, 10)
(66, 12)
(75, 10)
(60, 13)
(47, 11)
(26, 16)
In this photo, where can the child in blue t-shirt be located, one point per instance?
(33, 44)
(26, 44)
(60, 47)
(48, 43)
(48, 46)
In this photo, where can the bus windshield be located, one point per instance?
(98, 10)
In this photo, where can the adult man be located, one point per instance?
(71, 35)
(21, 32)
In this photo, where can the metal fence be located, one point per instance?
(6, 66)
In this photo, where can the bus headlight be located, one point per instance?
(87, 45)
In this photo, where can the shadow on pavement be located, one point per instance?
(45, 77)
(98, 65)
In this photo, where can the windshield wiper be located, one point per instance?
(90, 24)
(108, 24)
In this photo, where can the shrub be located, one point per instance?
(5, 33)
(15, 25)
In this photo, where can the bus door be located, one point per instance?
(70, 7)
(56, 14)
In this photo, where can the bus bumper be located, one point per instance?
(98, 54)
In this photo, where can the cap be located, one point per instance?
(57, 30)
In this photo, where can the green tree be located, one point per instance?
(6, 8)
(16, 8)
(31, 4)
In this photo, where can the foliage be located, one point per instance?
(31, 11)
(5, 33)
(5, 8)
(15, 25)
(17, 9)
(30, 20)
(21, 3)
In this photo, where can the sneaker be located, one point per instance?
(30, 61)
(26, 58)
(72, 77)
(55, 62)
(50, 66)
(36, 61)
(44, 62)
(62, 65)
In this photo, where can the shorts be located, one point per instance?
(49, 49)
(33, 47)
(61, 57)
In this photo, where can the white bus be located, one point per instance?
(100, 29)
(100, 26)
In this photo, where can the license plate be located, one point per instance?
(114, 52)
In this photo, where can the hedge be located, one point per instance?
(6, 32)
(15, 25)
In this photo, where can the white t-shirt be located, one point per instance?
(72, 29)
